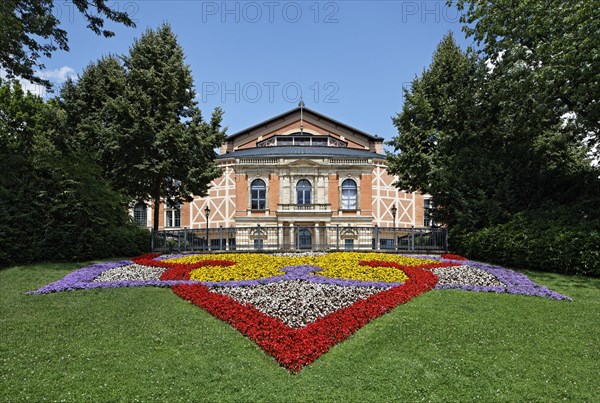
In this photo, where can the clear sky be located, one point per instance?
(349, 59)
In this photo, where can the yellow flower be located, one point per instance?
(335, 265)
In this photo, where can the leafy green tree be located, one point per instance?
(500, 137)
(91, 107)
(437, 151)
(143, 124)
(21, 117)
(477, 140)
(557, 42)
(54, 202)
(30, 31)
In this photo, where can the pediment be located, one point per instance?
(304, 162)
(290, 122)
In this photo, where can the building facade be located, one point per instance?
(298, 169)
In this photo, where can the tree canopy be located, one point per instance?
(559, 45)
(503, 136)
(29, 31)
(137, 115)
(54, 202)
(481, 144)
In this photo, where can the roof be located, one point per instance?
(305, 109)
(294, 151)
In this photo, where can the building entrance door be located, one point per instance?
(304, 238)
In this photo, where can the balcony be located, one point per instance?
(315, 208)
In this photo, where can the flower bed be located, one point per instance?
(297, 307)
(502, 280)
(296, 347)
(334, 265)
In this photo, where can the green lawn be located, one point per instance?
(148, 344)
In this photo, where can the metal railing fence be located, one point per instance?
(300, 238)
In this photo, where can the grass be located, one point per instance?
(148, 344)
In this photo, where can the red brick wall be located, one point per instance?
(333, 190)
(419, 211)
(161, 215)
(366, 195)
(241, 194)
(185, 215)
(273, 196)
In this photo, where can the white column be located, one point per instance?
(280, 235)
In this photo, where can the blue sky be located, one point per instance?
(349, 59)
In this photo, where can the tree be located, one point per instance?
(164, 149)
(498, 136)
(558, 42)
(54, 203)
(92, 108)
(481, 144)
(435, 138)
(21, 117)
(143, 124)
(23, 23)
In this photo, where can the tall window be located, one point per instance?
(173, 214)
(304, 238)
(349, 195)
(258, 195)
(140, 215)
(428, 207)
(303, 192)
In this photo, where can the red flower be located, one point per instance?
(176, 271)
(453, 257)
(295, 348)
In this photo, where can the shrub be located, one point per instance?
(62, 210)
(562, 240)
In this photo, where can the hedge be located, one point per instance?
(62, 210)
(562, 240)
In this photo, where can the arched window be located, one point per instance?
(349, 195)
(140, 215)
(303, 192)
(258, 195)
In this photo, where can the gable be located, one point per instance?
(313, 123)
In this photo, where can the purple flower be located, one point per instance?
(514, 283)
(508, 281)
(82, 279)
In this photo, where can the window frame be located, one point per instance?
(349, 244)
(173, 216)
(305, 188)
(140, 208)
(251, 198)
(428, 208)
(342, 198)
